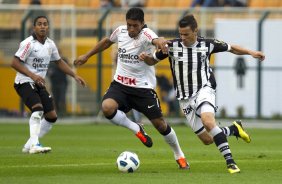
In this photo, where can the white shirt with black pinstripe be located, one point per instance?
(190, 66)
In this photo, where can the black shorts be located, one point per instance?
(32, 94)
(141, 99)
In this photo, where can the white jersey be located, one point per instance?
(130, 70)
(36, 57)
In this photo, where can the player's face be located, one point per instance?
(41, 27)
(187, 35)
(134, 27)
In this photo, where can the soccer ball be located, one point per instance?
(128, 162)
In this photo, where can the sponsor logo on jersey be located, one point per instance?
(127, 80)
(39, 65)
(148, 35)
(122, 55)
(202, 49)
(25, 51)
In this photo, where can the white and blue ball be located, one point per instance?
(128, 162)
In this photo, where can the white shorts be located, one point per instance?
(192, 108)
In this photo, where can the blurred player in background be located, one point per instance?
(31, 62)
(195, 84)
(134, 81)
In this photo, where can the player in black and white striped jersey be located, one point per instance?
(195, 84)
(134, 82)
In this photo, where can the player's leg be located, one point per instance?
(219, 137)
(114, 106)
(118, 117)
(193, 121)
(29, 94)
(50, 115)
(236, 129)
(205, 108)
(149, 105)
(171, 139)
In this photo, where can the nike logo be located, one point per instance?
(150, 106)
(36, 50)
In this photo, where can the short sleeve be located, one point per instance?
(149, 35)
(55, 56)
(114, 35)
(220, 46)
(24, 50)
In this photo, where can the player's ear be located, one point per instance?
(196, 32)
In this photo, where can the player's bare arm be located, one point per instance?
(67, 70)
(99, 47)
(235, 49)
(17, 65)
(148, 59)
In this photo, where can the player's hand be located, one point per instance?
(80, 80)
(259, 55)
(38, 80)
(80, 60)
(162, 44)
(143, 56)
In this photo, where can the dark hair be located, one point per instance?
(35, 2)
(38, 17)
(188, 20)
(135, 14)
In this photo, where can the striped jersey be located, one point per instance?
(190, 66)
(36, 57)
(131, 71)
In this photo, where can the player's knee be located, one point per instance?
(160, 125)
(108, 108)
(207, 141)
(52, 119)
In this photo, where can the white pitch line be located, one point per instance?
(108, 164)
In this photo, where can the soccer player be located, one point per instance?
(31, 62)
(134, 82)
(195, 84)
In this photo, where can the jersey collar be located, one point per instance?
(35, 38)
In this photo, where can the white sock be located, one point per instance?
(121, 120)
(46, 126)
(27, 144)
(34, 127)
(172, 140)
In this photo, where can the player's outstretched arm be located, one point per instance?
(67, 70)
(235, 49)
(99, 47)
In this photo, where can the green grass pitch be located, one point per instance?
(87, 153)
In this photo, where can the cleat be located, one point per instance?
(144, 138)
(38, 148)
(241, 132)
(233, 168)
(182, 163)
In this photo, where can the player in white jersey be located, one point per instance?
(31, 62)
(195, 84)
(134, 82)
